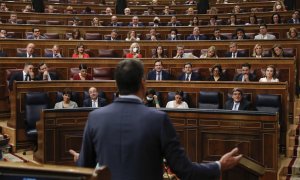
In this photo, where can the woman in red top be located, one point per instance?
(134, 51)
(79, 52)
(82, 75)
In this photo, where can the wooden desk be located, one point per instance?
(204, 134)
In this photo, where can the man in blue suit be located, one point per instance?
(196, 35)
(94, 100)
(132, 139)
(188, 74)
(55, 52)
(158, 73)
(245, 76)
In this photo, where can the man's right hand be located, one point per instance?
(75, 155)
(230, 159)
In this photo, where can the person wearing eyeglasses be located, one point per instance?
(36, 34)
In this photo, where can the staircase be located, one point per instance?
(290, 165)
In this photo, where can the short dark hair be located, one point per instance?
(27, 64)
(239, 29)
(179, 92)
(158, 60)
(41, 64)
(174, 29)
(237, 89)
(188, 63)
(150, 91)
(246, 65)
(129, 74)
(67, 91)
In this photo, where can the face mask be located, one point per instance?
(149, 98)
(278, 6)
(173, 36)
(135, 49)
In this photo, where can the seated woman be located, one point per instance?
(216, 73)
(76, 35)
(276, 19)
(211, 53)
(96, 22)
(195, 21)
(190, 11)
(131, 36)
(66, 102)
(82, 75)
(232, 20)
(257, 51)
(79, 52)
(279, 6)
(151, 99)
(177, 103)
(252, 20)
(134, 51)
(269, 75)
(159, 52)
(293, 33)
(277, 51)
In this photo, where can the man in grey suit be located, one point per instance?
(263, 33)
(132, 139)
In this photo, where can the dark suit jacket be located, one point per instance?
(177, 38)
(164, 75)
(221, 37)
(53, 76)
(177, 24)
(244, 105)
(108, 38)
(3, 54)
(194, 77)
(139, 24)
(88, 102)
(132, 140)
(239, 77)
(239, 54)
(24, 55)
(192, 37)
(291, 21)
(32, 37)
(222, 78)
(51, 55)
(18, 76)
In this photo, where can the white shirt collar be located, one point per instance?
(131, 96)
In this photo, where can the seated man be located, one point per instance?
(182, 54)
(196, 35)
(158, 74)
(14, 19)
(108, 11)
(29, 51)
(94, 100)
(245, 76)
(188, 74)
(3, 7)
(233, 52)
(44, 74)
(153, 36)
(263, 33)
(26, 75)
(55, 52)
(173, 35)
(174, 22)
(135, 22)
(127, 12)
(114, 21)
(113, 36)
(295, 18)
(217, 35)
(36, 34)
(3, 34)
(237, 102)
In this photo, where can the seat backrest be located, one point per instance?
(92, 36)
(209, 100)
(35, 102)
(268, 102)
(106, 53)
(171, 97)
(103, 73)
(53, 22)
(72, 72)
(33, 21)
(51, 35)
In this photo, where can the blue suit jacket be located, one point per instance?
(192, 37)
(132, 140)
(239, 54)
(244, 105)
(152, 75)
(239, 77)
(194, 77)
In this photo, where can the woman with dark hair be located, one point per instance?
(83, 74)
(66, 102)
(270, 75)
(276, 19)
(151, 99)
(232, 21)
(159, 52)
(216, 73)
(195, 22)
(177, 103)
(76, 35)
(252, 20)
(277, 51)
(79, 52)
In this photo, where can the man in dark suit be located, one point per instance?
(26, 75)
(237, 102)
(245, 76)
(3, 54)
(196, 35)
(174, 22)
(233, 51)
(29, 51)
(44, 73)
(94, 100)
(114, 21)
(132, 139)
(36, 34)
(295, 18)
(158, 73)
(217, 35)
(135, 22)
(113, 36)
(55, 52)
(188, 74)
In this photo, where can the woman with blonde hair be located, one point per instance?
(134, 51)
(211, 53)
(131, 36)
(279, 6)
(293, 33)
(270, 75)
(257, 51)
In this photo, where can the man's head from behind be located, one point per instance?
(129, 76)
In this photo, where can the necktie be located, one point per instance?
(158, 76)
(93, 104)
(27, 77)
(235, 107)
(187, 77)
